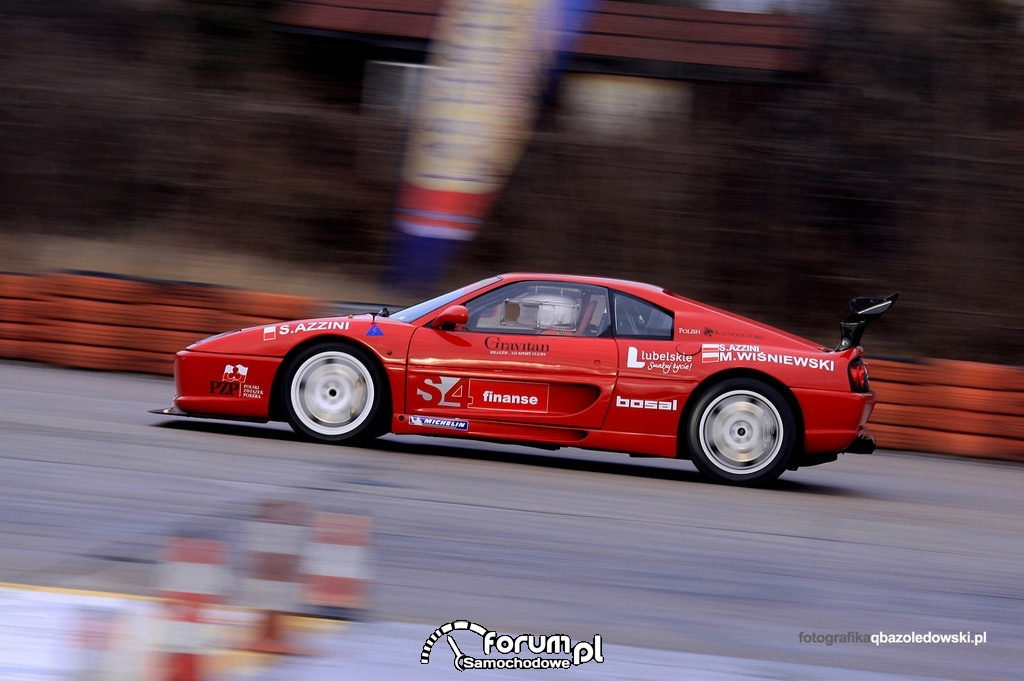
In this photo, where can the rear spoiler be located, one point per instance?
(863, 309)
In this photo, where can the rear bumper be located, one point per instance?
(834, 420)
(863, 444)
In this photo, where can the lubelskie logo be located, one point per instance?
(514, 648)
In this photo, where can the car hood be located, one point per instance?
(276, 339)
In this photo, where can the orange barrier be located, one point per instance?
(107, 322)
(19, 314)
(949, 407)
(114, 323)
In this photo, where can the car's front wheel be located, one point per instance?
(742, 432)
(334, 393)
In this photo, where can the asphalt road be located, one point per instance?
(526, 541)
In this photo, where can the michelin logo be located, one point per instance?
(432, 422)
(572, 654)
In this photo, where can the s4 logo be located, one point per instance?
(445, 391)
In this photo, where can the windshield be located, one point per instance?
(419, 309)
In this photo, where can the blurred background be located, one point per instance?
(228, 141)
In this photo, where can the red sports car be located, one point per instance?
(552, 361)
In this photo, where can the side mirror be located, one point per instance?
(452, 318)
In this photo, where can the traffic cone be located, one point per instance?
(270, 585)
(193, 577)
(336, 573)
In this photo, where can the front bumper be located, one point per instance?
(169, 411)
(208, 385)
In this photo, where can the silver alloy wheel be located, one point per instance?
(332, 393)
(741, 432)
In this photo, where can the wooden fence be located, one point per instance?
(615, 30)
(106, 322)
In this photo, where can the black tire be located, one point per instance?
(335, 393)
(741, 432)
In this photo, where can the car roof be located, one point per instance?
(665, 296)
(624, 284)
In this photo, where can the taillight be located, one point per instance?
(858, 372)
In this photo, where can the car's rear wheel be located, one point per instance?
(334, 393)
(742, 432)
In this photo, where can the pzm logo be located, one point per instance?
(225, 388)
(231, 382)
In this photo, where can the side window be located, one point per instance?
(539, 307)
(635, 318)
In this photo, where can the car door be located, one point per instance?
(656, 372)
(534, 351)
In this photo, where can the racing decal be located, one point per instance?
(432, 422)
(227, 388)
(657, 405)
(235, 373)
(664, 362)
(708, 331)
(717, 352)
(272, 332)
(374, 330)
(519, 347)
(477, 393)
(446, 391)
(233, 383)
(509, 395)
